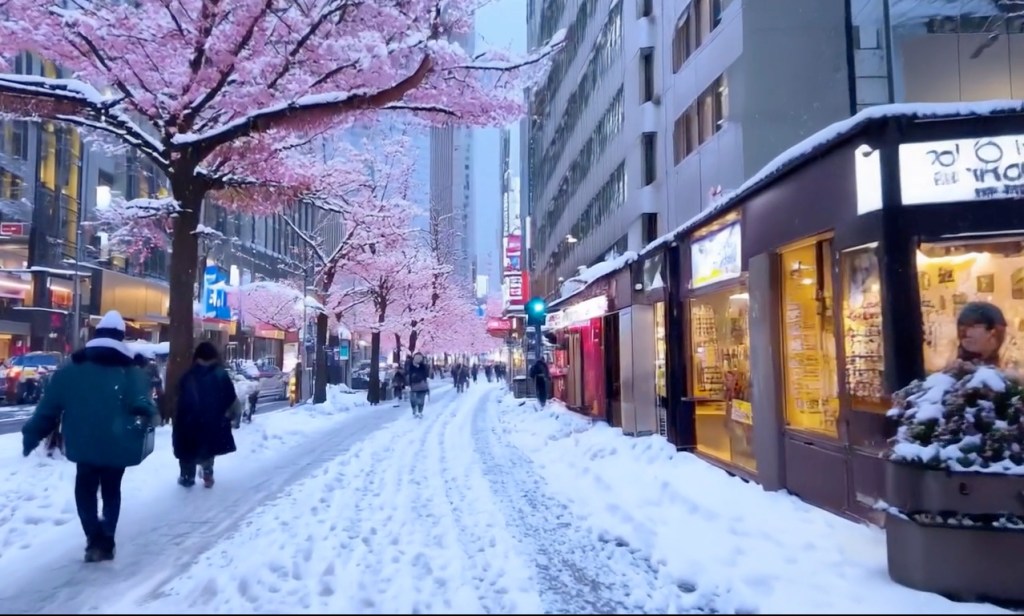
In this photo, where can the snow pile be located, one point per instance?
(37, 503)
(966, 418)
(741, 549)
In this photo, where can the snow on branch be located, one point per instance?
(138, 226)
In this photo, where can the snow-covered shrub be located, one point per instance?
(965, 418)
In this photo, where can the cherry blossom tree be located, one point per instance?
(278, 304)
(221, 94)
(369, 199)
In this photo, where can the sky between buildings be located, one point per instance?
(500, 24)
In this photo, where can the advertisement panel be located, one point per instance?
(215, 299)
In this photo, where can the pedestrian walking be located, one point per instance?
(419, 387)
(541, 375)
(398, 384)
(475, 371)
(207, 408)
(102, 399)
(489, 372)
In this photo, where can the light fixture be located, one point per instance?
(103, 197)
(740, 296)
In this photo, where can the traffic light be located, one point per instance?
(536, 311)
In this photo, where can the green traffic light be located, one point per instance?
(537, 306)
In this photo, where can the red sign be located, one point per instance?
(498, 325)
(514, 245)
(13, 229)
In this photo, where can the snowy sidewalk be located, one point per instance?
(437, 515)
(740, 548)
(163, 527)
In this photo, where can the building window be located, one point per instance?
(720, 378)
(702, 120)
(952, 274)
(644, 8)
(809, 349)
(862, 330)
(648, 150)
(646, 74)
(682, 42)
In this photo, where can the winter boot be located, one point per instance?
(207, 478)
(186, 482)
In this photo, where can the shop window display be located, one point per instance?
(809, 363)
(862, 330)
(720, 374)
(660, 368)
(951, 275)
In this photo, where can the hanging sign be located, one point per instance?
(962, 170)
(716, 257)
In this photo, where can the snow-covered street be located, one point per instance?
(484, 505)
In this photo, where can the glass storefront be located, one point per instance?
(862, 330)
(952, 274)
(720, 375)
(809, 347)
(661, 368)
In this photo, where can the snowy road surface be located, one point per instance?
(483, 506)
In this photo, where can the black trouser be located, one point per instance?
(188, 467)
(90, 480)
(542, 389)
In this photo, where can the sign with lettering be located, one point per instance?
(962, 170)
(716, 257)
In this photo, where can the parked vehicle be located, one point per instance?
(25, 376)
(273, 382)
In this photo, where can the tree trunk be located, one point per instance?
(373, 395)
(398, 349)
(413, 337)
(183, 266)
(320, 369)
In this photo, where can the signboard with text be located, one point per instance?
(215, 297)
(962, 170)
(716, 257)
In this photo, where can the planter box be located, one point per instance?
(912, 488)
(963, 564)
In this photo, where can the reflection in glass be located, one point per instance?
(720, 375)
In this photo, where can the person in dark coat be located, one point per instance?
(102, 400)
(398, 383)
(207, 406)
(417, 374)
(541, 376)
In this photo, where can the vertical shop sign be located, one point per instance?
(215, 297)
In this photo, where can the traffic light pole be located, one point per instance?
(538, 341)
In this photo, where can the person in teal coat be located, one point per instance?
(101, 399)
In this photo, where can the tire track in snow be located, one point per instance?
(576, 572)
(373, 532)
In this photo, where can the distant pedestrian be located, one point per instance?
(207, 408)
(489, 372)
(398, 384)
(541, 376)
(419, 387)
(103, 401)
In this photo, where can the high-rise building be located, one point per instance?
(451, 189)
(716, 90)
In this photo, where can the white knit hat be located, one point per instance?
(110, 334)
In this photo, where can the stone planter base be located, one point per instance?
(917, 489)
(963, 564)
